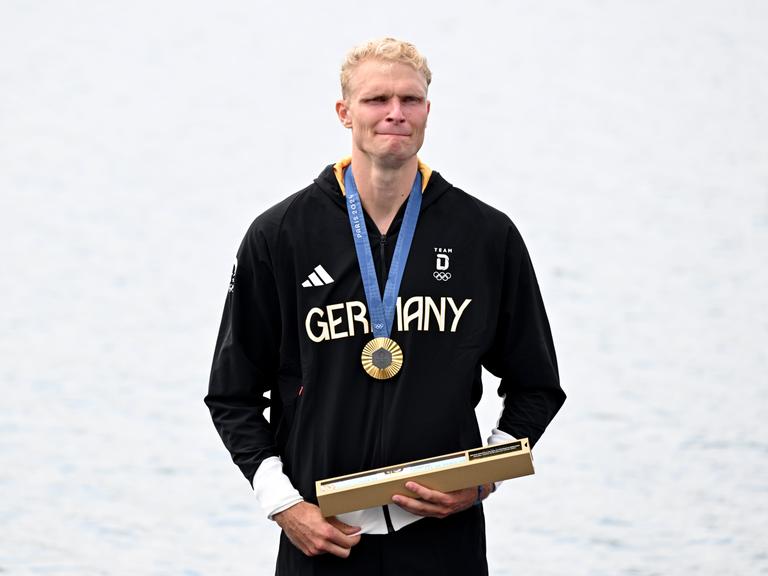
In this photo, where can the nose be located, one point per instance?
(395, 112)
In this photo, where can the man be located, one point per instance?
(358, 380)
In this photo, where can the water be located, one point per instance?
(628, 142)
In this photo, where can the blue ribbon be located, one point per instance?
(382, 312)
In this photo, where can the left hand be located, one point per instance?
(438, 504)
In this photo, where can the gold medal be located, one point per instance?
(382, 358)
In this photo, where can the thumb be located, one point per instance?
(346, 528)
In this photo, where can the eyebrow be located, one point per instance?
(366, 94)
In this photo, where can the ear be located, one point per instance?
(342, 111)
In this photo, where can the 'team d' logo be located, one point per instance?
(442, 263)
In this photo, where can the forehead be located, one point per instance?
(382, 76)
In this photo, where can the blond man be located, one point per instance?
(367, 305)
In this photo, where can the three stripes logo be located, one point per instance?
(232, 278)
(319, 277)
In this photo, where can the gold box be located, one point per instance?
(445, 473)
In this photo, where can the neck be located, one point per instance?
(383, 188)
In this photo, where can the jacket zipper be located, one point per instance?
(383, 262)
(383, 276)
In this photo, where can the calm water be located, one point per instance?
(628, 143)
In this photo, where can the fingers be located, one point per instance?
(433, 502)
(331, 540)
(336, 550)
(348, 529)
(312, 534)
(341, 539)
(420, 507)
(326, 540)
(425, 493)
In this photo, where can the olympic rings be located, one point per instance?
(441, 276)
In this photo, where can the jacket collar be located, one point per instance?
(331, 182)
(338, 170)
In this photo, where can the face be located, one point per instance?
(386, 109)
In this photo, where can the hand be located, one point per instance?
(312, 534)
(438, 504)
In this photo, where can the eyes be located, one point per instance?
(383, 99)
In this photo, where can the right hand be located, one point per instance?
(312, 534)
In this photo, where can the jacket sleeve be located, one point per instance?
(246, 358)
(522, 353)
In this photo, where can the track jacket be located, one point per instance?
(295, 322)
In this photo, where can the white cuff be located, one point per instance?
(284, 507)
(499, 437)
(273, 489)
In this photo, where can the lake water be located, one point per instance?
(629, 143)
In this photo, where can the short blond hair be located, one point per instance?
(388, 50)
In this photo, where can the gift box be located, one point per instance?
(444, 473)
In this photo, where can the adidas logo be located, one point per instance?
(318, 278)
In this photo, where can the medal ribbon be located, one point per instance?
(382, 312)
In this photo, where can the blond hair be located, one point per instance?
(388, 50)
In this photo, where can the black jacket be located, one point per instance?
(468, 298)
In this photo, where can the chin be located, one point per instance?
(395, 160)
(399, 151)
